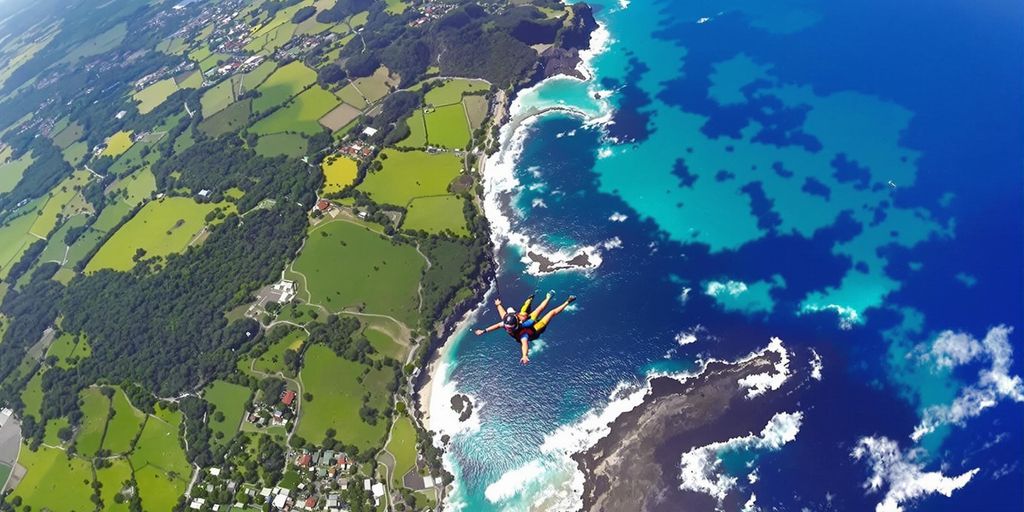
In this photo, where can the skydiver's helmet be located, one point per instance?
(511, 320)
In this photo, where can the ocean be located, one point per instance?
(846, 177)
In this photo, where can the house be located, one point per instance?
(310, 502)
(215, 471)
(280, 501)
(288, 397)
(304, 461)
(322, 205)
(369, 131)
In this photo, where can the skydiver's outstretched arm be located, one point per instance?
(525, 341)
(489, 328)
(501, 310)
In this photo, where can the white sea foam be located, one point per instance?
(618, 217)
(761, 382)
(514, 481)
(538, 203)
(604, 152)
(700, 468)
(903, 475)
(848, 317)
(689, 336)
(733, 288)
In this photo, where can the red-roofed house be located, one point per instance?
(310, 502)
(323, 205)
(288, 397)
(304, 460)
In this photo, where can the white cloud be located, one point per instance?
(700, 466)
(994, 383)
(905, 477)
(689, 336)
(761, 382)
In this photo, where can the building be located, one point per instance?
(288, 397)
(322, 205)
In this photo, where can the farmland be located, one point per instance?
(348, 266)
(272, 361)
(155, 94)
(124, 425)
(373, 87)
(301, 114)
(342, 115)
(476, 110)
(339, 172)
(447, 126)
(230, 400)
(350, 95)
(437, 214)
(94, 410)
(383, 343)
(160, 228)
(217, 98)
(53, 481)
(112, 478)
(403, 447)
(161, 469)
(452, 91)
(283, 83)
(417, 131)
(231, 118)
(70, 134)
(338, 386)
(290, 144)
(118, 143)
(410, 174)
(12, 171)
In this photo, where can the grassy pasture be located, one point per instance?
(62, 194)
(437, 214)
(339, 172)
(350, 95)
(160, 228)
(212, 61)
(132, 159)
(102, 43)
(230, 399)
(252, 79)
(452, 91)
(283, 83)
(53, 427)
(373, 87)
(384, 344)
(349, 266)
(447, 126)
(12, 171)
(32, 395)
(53, 481)
(95, 407)
(403, 447)
(341, 116)
(395, 6)
(410, 174)
(217, 98)
(192, 80)
(15, 237)
(112, 478)
(301, 115)
(289, 144)
(272, 361)
(417, 131)
(231, 118)
(118, 143)
(476, 110)
(137, 186)
(69, 135)
(155, 94)
(124, 426)
(73, 154)
(337, 391)
(161, 469)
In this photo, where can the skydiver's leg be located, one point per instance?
(541, 307)
(543, 322)
(525, 308)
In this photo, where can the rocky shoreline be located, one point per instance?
(644, 447)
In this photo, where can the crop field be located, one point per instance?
(373, 87)
(112, 478)
(62, 195)
(410, 174)
(337, 398)
(252, 79)
(95, 407)
(403, 447)
(349, 266)
(476, 110)
(32, 395)
(102, 43)
(53, 481)
(417, 131)
(339, 117)
(231, 118)
(12, 171)
(192, 80)
(124, 426)
(230, 399)
(384, 344)
(453, 90)
(289, 144)
(301, 115)
(137, 186)
(160, 228)
(272, 361)
(283, 83)
(155, 94)
(118, 143)
(339, 172)
(217, 98)
(396, 7)
(447, 127)
(132, 159)
(73, 154)
(69, 135)
(350, 95)
(15, 237)
(437, 214)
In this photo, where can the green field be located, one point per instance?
(217, 98)
(447, 127)
(15, 237)
(124, 426)
(69, 135)
(118, 143)
(350, 95)
(252, 79)
(339, 172)
(192, 80)
(155, 94)
(32, 395)
(300, 115)
(272, 361)
(132, 159)
(102, 43)
(285, 82)
(476, 110)
(231, 118)
(185, 140)
(113, 479)
(373, 87)
(417, 131)
(403, 447)
(160, 228)
(383, 343)
(437, 214)
(337, 391)
(161, 469)
(62, 194)
(396, 6)
(289, 144)
(95, 407)
(137, 186)
(230, 399)
(53, 481)
(73, 154)
(67, 346)
(410, 174)
(452, 90)
(349, 266)
(213, 61)
(11, 172)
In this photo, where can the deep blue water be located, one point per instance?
(757, 148)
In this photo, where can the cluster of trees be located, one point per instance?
(197, 433)
(47, 169)
(342, 9)
(337, 334)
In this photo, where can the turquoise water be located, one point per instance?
(828, 174)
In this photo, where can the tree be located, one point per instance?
(303, 14)
(331, 74)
